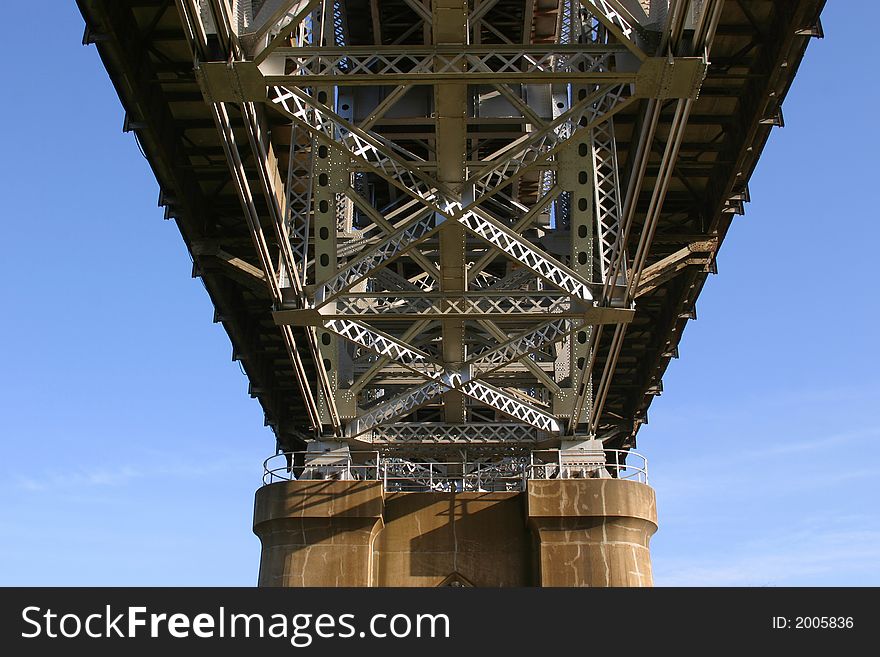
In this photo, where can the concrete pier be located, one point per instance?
(592, 532)
(566, 532)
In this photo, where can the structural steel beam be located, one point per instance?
(506, 307)
(440, 64)
(441, 433)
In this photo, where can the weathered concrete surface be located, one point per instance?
(317, 533)
(429, 536)
(572, 532)
(592, 532)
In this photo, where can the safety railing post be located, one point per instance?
(480, 476)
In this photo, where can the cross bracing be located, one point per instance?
(418, 216)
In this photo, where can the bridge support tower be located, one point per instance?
(564, 532)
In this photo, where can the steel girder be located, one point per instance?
(439, 433)
(366, 65)
(498, 305)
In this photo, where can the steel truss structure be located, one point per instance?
(461, 217)
(451, 209)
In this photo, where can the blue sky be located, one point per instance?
(131, 450)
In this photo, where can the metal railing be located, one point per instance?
(504, 474)
(451, 477)
(616, 464)
(293, 466)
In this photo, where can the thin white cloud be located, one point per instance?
(799, 557)
(755, 486)
(734, 410)
(55, 479)
(717, 461)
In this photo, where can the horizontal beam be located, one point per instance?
(425, 65)
(499, 307)
(245, 81)
(479, 51)
(335, 76)
(206, 248)
(512, 376)
(697, 253)
(442, 433)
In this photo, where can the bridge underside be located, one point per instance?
(452, 233)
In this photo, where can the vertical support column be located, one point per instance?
(450, 105)
(573, 175)
(604, 178)
(318, 533)
(592, 532)
(300, 171)
(575, 202)
(603, 146)
(324, 236)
